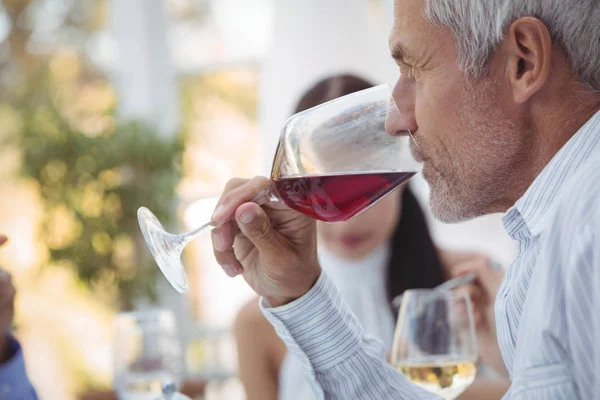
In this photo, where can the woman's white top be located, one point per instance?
(362, 284)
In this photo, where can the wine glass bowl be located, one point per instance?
(336, 160)
(166, 248)
(332, 162)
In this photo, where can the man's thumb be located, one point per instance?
(3, 239)
(255, 225)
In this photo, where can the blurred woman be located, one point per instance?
(371, 259)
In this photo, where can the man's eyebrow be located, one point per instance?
(399, 53)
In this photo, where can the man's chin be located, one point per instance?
(429, 175)
(442, 202)
(447, 209)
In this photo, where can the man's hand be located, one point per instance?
(273, 247)
(7, 302)
(483, 294)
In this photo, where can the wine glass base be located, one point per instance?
(165, 248)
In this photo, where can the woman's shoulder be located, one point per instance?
(251, 328)
(250, 318)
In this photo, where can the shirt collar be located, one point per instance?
(529, 215)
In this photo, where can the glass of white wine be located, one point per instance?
(435, 345)
(146, 354)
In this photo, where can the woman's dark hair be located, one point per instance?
(414, 262)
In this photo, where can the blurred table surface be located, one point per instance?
(191, 387)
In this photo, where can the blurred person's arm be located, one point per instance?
(14, 383)
(260, 353)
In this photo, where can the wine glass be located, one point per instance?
(332, 162)
(169, 391)
(211, 357)
(146, 353)
(435, 345)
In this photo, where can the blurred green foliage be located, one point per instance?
(91, 187)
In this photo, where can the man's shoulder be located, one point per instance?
(579, 203)
(572, 229)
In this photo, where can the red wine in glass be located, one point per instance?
(337, 198)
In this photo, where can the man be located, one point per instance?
(503, 100)
(14, 383)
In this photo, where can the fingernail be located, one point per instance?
(218, 212)
(247, 217)
(229, 270)
(218, 242)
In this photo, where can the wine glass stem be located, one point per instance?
(266, 195)
(188, 237)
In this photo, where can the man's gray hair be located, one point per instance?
(479, 27)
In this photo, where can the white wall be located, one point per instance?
(143, 72)
(314, 38)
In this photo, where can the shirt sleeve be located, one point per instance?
(14, 383)
(339, 358)
(582, 310)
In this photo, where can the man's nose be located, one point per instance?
(400, 118)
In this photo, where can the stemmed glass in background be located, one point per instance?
(435, 345)
(332, 162)
(146, 354)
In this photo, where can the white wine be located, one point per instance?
(447, 379)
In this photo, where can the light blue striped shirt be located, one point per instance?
(549, 331)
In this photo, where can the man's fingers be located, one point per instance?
(230, 264)
(3, 239)
(222, 236)
(236, 195)
(231, 185)
(222, 239)
(256, 226)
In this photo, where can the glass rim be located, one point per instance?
(435, 293)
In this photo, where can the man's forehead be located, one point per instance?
(407, 10)
(408, 17)
(410, 29)
(399, 42)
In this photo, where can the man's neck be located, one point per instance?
(549, 135)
